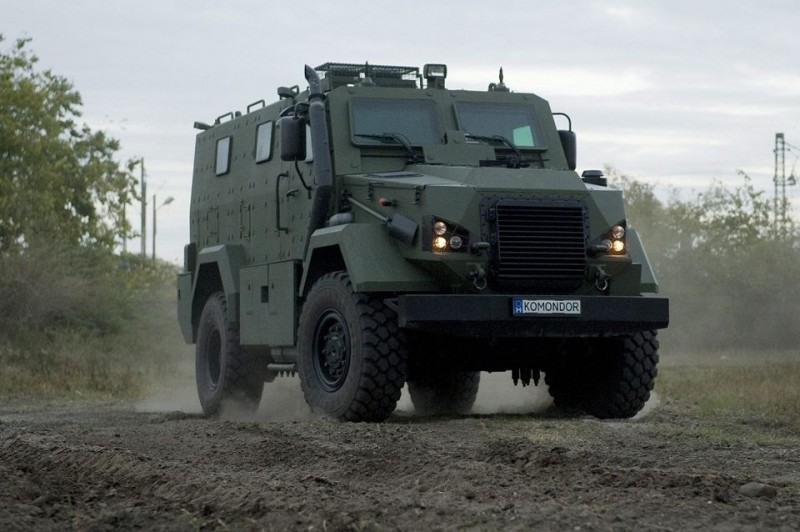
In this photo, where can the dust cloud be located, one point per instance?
(173, 390)
(498, 395)
(283, 399)
(649, 407)
(176, 391)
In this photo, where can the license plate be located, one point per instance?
(546, 307)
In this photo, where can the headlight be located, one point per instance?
(612, 242)
(442, 235)
(616, 238)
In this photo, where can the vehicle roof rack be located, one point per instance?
(342, 74)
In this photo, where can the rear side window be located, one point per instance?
(264, 142)
(223, 164)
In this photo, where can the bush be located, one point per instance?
(732, 277)
(56, 286)
(78, 321)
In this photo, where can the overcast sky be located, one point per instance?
(672, 92)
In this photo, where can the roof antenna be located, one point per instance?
(499, 87)
(367, 82)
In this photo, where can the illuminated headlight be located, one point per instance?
(616, 235)
(612, 242)
(443, 235)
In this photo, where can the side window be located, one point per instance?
(223, 164)
(309, 151)
(264, 142)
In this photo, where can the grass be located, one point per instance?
(67, 363)
(759, 388)
(75, 325)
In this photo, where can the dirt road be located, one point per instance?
(116, 466)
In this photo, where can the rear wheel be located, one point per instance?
(608, 377)
(226, 376)
(444, 392)
(351, 357)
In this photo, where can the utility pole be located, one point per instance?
(124, 226)
(144, 212)
(779, 180)
(167, 201)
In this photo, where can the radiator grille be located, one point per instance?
(540, 243)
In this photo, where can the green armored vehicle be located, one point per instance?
(380, 229)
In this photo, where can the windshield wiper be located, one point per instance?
(397, 137)
(515, 161)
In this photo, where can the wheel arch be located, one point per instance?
(322, 260)
(217, 271)
(371, 257)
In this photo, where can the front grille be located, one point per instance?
(539, 244)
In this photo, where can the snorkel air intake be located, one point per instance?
(321, 151)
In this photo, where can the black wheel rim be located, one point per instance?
(214, 358)
(331, 350)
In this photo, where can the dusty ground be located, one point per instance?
(151, 466)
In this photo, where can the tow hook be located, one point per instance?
(601, 280)
(478, 276)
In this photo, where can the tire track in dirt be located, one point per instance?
(117, 469)
(86, 474)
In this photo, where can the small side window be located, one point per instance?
(264, 142)
(223, 156)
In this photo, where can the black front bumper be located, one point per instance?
(491, 315)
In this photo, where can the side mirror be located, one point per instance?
(569, 144)
(293, 138)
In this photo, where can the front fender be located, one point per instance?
(371, 257)
(649, 283)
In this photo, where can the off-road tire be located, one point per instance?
(609, 378)
(351, 355)
(440, 392)
(226, 376)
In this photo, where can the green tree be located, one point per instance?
(733, 281)
(58, 178)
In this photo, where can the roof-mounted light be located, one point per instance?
(435, 75)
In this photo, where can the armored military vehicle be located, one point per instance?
(379, 229)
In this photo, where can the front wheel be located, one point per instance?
(226, 376)
(351, 357)
(606, 377)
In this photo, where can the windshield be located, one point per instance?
(516, 123)
(415, 120)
